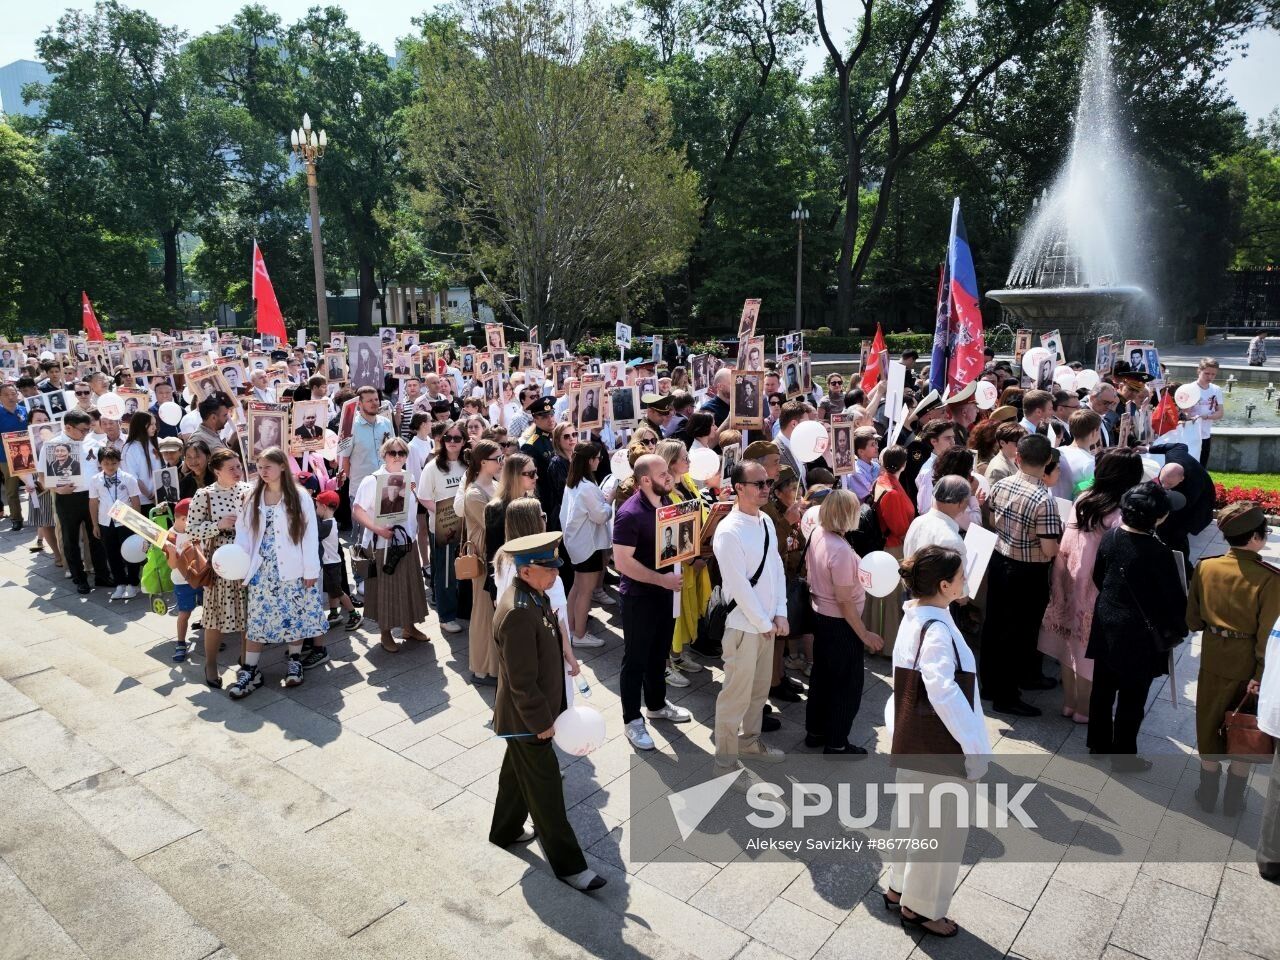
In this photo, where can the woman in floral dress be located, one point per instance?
(211, 522)
(277, 528)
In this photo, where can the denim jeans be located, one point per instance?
(444, 584)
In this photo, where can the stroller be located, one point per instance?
(155, 577)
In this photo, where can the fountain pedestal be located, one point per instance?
(1080, 313)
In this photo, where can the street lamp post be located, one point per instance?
(799, 215)
(309, 146)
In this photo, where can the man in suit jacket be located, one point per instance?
(1183, 474)
(531, 694)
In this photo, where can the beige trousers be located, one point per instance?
(927, 879)
(748, 669)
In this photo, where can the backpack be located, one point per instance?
(868, 535)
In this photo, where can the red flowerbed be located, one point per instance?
(1268, 500)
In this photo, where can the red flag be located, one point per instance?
(1165, 416)
(878, 349)
(270, 320)
(92, 330)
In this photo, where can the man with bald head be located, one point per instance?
(1193, 499)
(647, 602)
(718, 403)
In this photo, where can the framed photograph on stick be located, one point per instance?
(62, 464)
(268, 427)
(678, 528)
(495, 338)
(126, 516)
(19, 453)
(624, 403)
(591, 408)
(746, 402)
(309, 417)
(391, 498)
(841, 445)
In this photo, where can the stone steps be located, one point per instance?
(296, 822)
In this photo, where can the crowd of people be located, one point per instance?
(519, 521)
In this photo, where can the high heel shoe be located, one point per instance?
(918, 922)
(891, 905)
(215, 683)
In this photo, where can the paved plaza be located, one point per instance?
(144, 815)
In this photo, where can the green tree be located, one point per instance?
(119, 87)
(1253, 172)
(569, 200)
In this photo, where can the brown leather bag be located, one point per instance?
(1245, 741)
(467, 566)
(194, 566)
(917, 728)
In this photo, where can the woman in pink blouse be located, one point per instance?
(1064, 632)
(837, 598)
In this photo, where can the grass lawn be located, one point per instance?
(1249, 481)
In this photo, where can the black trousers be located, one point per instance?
(122, 572)
(1127, 697)
(1009, 654)
(73, 516)
(647, 627)
(529, 785)
(835, 685)
(1204, 451)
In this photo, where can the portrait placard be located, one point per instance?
(309, 420)
(678, 526)
(624, 402)
(591, 408)
(495, 338)
(391, 498)
(62, 464)
(746, 402)
(19, 452)
(130, 518)
(268, 427)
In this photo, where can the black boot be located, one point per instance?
(1207, 792)
(1233, 795)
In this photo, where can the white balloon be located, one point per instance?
(704, 463)
(170, 413)
(579, 730)
(134, 549)
(1187, 396)
(809, 440)
(985, 395)
(879, 573)
(230, 562)
(1087, 379)
(111, 406)
(1066, 380)
(619, 465)
(1150, 469)
(190, 423)
(330, 450)
(1032, 359)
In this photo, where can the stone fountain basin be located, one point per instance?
(1058, 303)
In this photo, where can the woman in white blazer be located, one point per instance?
(936, 709)
(277, 529)
(584, 519)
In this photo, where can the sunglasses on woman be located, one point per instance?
(648, 443)
(529, 473)
(453, 438)
(397, 453)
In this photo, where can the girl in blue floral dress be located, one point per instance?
(277, 528)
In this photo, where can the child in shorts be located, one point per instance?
(187, 596)
(333, 579)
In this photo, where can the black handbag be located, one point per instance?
(396, 550)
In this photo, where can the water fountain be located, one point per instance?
(1079, 265)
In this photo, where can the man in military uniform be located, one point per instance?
(536, 442)
(918, 450)
(657, 412)
(531, 695)
(1235, 599)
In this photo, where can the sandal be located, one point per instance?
(918, 922)
(891, 905)
(394, 648)
(416, 635)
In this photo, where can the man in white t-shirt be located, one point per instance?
(1075, 472)
(1210, 406)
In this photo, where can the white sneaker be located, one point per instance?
(130, 592)
(451, 626)
(760, 751)
(119, 593)
(686, 662)
(639, 736)
(669, 712)
(675, 678)
(587, 640)
(601, 596)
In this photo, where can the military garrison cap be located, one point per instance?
(1238, 518)
(537, 549)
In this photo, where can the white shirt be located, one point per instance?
(584, 518)
(738, 544)
(107, 496)
(933, 529)
(435, 485)
(1269, 695)
(1075, 468)
(1210, 403)
(420, 451)
(937, 665)
(365, 495)
(294, 560)
(329, 552)
(133, 458)
(924, 486)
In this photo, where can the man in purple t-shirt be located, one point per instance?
(648, 619)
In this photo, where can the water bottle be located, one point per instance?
(584, 688)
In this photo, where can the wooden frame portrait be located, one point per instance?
(841, 444)
(268, 427)
(747, 400)
(591, 407)
(19, 452)
(310, 417)
(562, 372)
(678, 526)
(753, 357)
(62, 464)
(624, 406)
(530, 356)
(791, 371)
(495, 338)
